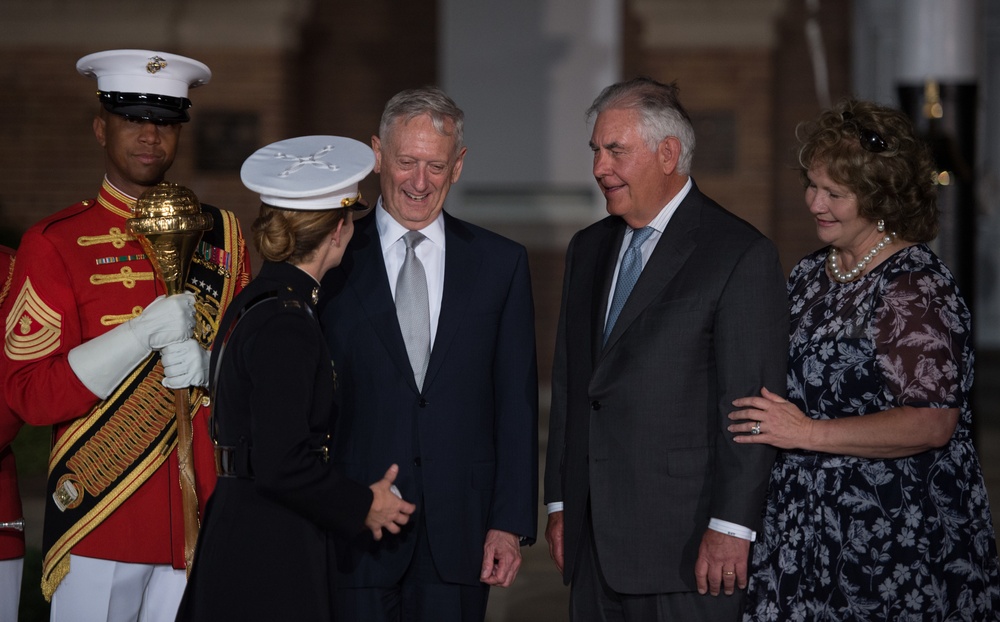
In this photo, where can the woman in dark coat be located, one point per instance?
(263, 548)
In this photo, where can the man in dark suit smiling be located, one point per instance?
(672, 307)
(431, 328)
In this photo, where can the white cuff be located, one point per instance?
(732, 529)
(103, 363)
(555, 506)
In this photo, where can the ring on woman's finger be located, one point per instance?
(755, 430)
(728, 573)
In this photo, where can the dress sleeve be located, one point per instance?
(922, 334)
(288, 426)
(43, 325)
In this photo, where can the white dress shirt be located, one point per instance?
(659, 225)
(430, 252)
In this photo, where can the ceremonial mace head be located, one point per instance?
(169, 223)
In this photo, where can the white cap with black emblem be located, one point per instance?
(144, 84)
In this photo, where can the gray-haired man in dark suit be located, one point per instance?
(652, 506)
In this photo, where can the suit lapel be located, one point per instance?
(461, 265)
(671, 252)
(605, 258)
(367, 276)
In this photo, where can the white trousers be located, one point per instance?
(100, 590)
(10, 587)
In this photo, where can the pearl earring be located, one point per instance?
(880, 225)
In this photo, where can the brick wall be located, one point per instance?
(48, 155)
(243, 82)
(49, 158)
(795, 100)
(732, 164)
(766, 91)
(546, 287)
(345, 75)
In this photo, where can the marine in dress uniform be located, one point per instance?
(263, 549)
(86, 344)
(11, 521)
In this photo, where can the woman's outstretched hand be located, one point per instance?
(389, 511)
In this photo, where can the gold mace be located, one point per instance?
(169, 223)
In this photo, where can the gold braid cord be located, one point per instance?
(6, 282)
(104, 457)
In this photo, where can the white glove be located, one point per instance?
(185, 364)
(168, 319)
(103, 362)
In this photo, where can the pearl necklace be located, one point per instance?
(855, 272)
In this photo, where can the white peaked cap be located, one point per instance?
(309, 172)
(144, 71)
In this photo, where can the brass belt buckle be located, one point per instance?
(225, 458)
(218, 459)
(324, 452)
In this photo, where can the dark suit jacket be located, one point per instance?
(467, 445)
(638, 426)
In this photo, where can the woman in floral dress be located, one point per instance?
(877, 508)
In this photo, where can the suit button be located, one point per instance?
(416, 461)
(595, 405)
(423, 403)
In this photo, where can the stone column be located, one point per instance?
(936, 79)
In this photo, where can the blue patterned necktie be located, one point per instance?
(412, 307)
(628, 274)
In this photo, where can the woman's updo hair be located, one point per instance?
(292, 235)
(873, 151)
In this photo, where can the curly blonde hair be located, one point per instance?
(873, 151)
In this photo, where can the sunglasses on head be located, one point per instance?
(871, 141)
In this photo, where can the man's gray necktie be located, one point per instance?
(628, 274)
(412, 308)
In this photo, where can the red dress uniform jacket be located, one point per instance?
(11, 540)
(79, 275)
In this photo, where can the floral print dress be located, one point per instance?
(849, 538)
